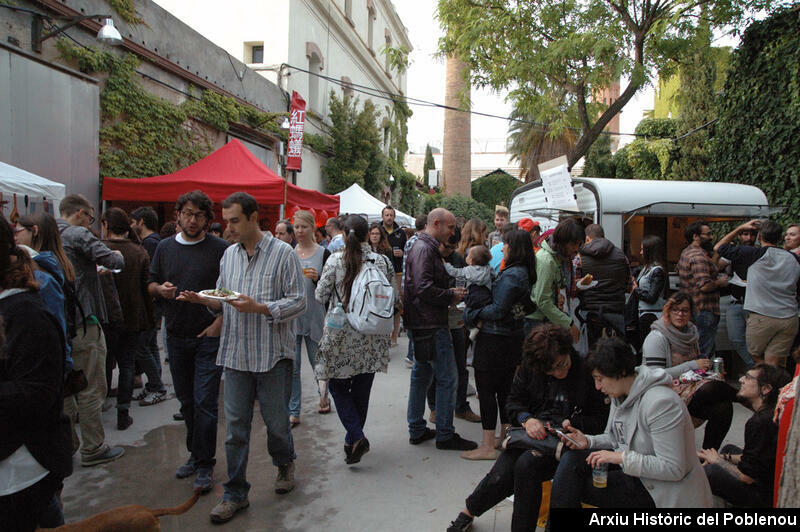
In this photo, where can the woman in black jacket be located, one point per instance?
(36, 445)
(551, 385)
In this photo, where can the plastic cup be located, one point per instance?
(600, 476)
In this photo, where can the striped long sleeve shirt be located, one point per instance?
(255, 342)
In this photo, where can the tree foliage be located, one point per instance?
(599, 161)
(555, 56)
(531, 144)
(355, 143)
(460, 206)
(429, 163)
(759, 114)
(494, 189)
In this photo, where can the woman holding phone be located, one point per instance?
(647, 448)
(309, 326)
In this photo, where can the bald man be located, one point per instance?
(427, 296)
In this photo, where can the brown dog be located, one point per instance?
(133, 518)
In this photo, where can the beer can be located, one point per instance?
(719, 365)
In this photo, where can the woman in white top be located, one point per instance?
(309, 326)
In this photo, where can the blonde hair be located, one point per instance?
(500, 210)
(472, 234)
(304, 216)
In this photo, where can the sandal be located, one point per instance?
(324, 406)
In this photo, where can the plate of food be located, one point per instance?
(586, 282)
(221, 294)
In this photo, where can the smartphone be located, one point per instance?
(562, 433)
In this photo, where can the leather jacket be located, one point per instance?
(426, 295)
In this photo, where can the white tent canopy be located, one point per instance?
(356, 200)
(16, 181)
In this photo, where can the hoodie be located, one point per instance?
(610, 268)
(549, 280)
(653, 430)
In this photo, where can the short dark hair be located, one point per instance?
(73, 203)
(595, 231)
(148, 216)
(168, 229)
(612, 358)
(544, 345)
(216, 227)
(506, 230)
(770, 232)
(288, 224)
(388, 207)
(480, 254)
(676, 299)
(568, 231)
(246, 201)
(420, 222)
(199, 198)
(694, 228)
(773, 376)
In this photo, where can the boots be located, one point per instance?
(123, 420)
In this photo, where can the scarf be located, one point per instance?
(682, 344)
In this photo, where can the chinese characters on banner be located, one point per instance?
(297, 118)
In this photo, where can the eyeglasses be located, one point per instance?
(91, 216)
(197, 215)
(681, 311)
(752, 377)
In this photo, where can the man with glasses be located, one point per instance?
(86, 252)
(189, 261)
(700, 278)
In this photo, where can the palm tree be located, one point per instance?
(530, 144)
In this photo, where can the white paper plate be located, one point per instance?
(580, 286)
(210, 295)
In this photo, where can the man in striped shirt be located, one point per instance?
(256, 346)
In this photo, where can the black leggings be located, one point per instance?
(493, 387)
(518, 472)
(714, 403)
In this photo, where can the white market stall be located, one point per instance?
(28, 192)
(356, 200)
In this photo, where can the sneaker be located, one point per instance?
(186, 470)
(285, 481)
(141, 395)
(152, 398)
(468, 415)
(225, 510)
(456, 443)
(205, 479)
(111, 454)
(360, 448)
(427, 435)
(462, 523)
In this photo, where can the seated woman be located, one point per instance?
(672, 345)
(745, 477)
(551, 385)
(648, 444)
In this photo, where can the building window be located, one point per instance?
(371, 16)
(315, 63)
(257, 55)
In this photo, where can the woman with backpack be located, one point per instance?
(498, 346)
(312, 257)
(346, 357)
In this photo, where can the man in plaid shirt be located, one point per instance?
(699, 278)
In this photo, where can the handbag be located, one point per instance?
(518, 438)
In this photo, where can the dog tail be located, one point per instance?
(177, 510)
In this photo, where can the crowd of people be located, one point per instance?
(584, 367)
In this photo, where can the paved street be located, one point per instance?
(395, 487)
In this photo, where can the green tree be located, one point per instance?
(494, 189)
(555, 55)
(599, 161)
(531, 144)
(650, 156)
(759, 114)
(355, 144)
(429, 164)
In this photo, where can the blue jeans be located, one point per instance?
(706, 322)
(151, 347)
(196, 376)
(736, 322)
(311, 349)
(352, 403)
(443, 366)
(272, 390)
(410, 353)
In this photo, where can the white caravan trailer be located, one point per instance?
(630, 209)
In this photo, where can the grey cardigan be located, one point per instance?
(656, 352)
(653, 431)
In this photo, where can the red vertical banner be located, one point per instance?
(297, 119)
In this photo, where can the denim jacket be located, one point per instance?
(504, 316)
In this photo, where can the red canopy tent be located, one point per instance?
(229, 169)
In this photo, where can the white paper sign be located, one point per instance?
(557, 184)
